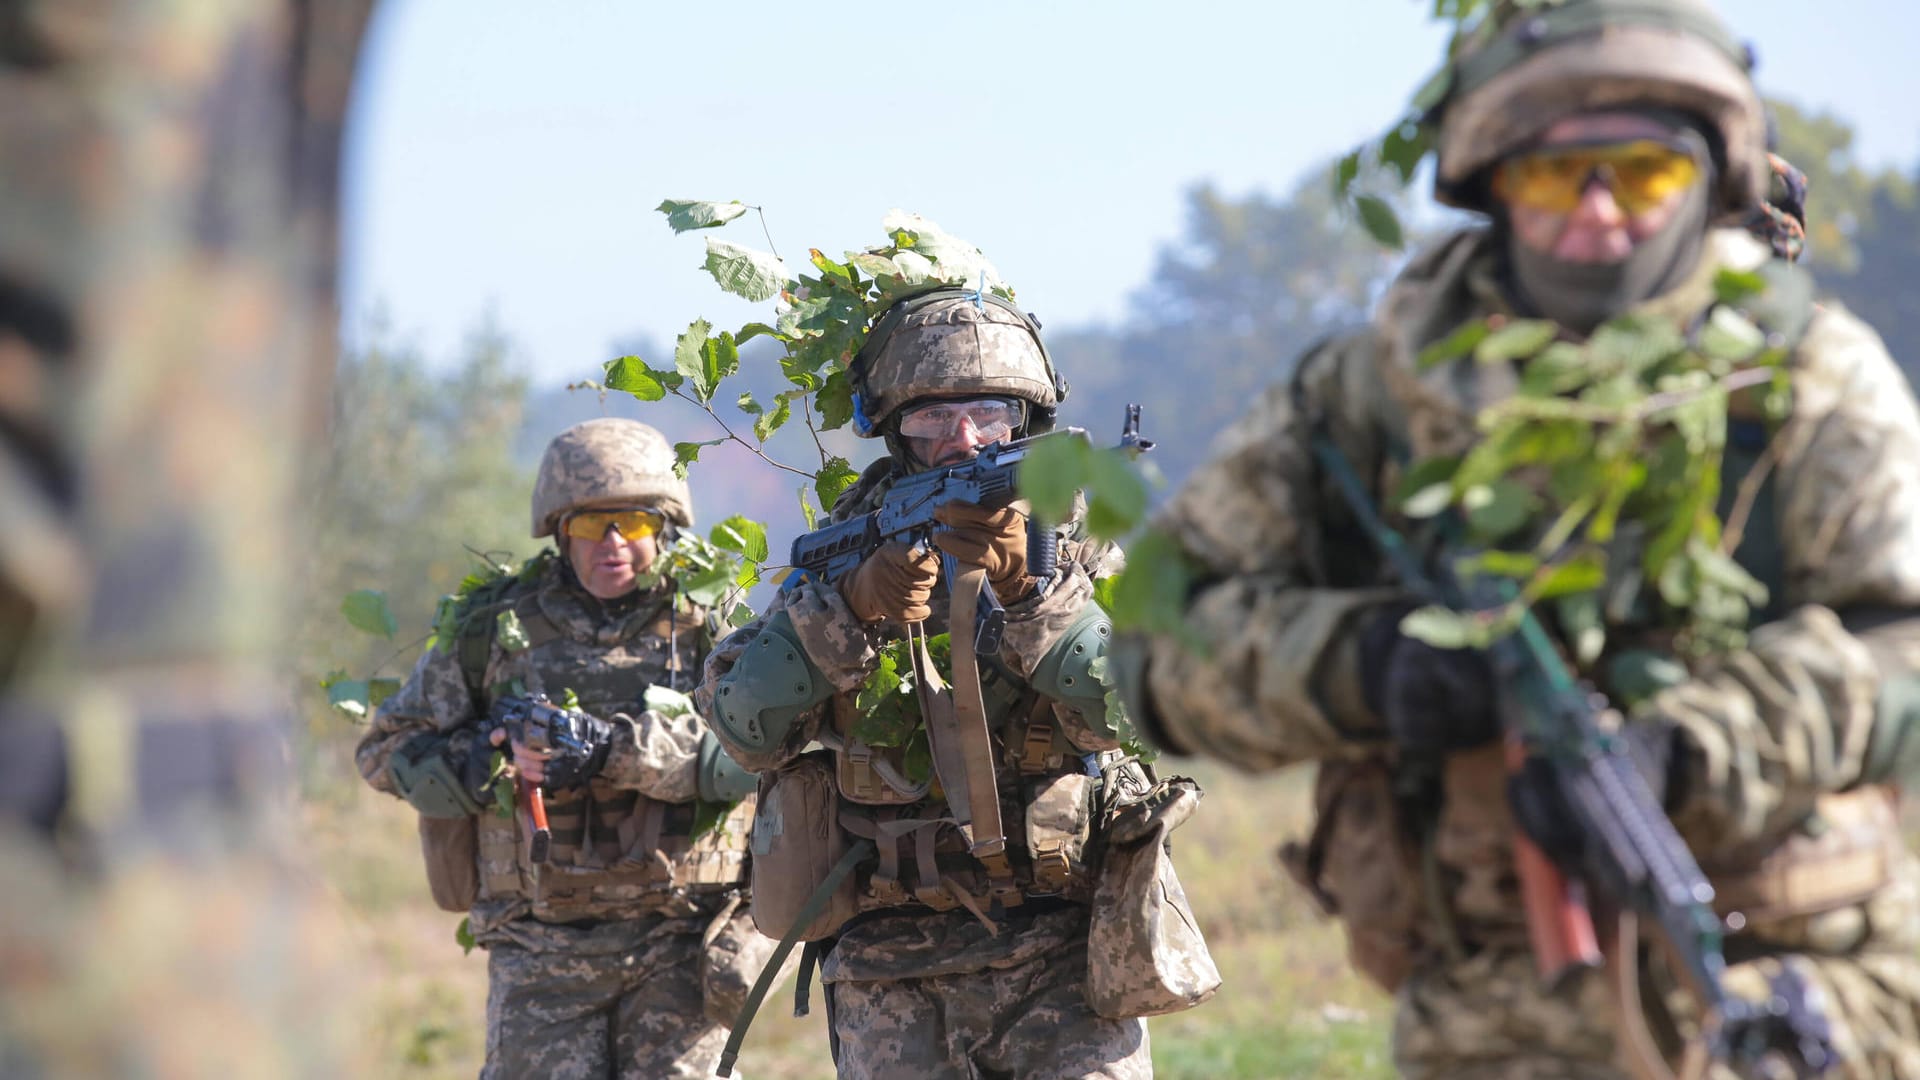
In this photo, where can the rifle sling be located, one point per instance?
(989, 838)
(855, 852)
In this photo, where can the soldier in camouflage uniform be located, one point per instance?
(1778, 760)
(622, 953)
(926, 973)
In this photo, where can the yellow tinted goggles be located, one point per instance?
(1641, 175)
(634, 524)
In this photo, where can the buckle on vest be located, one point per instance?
(1036, 748)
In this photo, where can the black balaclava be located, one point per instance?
(1581, 296)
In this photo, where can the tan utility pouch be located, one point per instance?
(451, 848)
(1359, 867)
(797, 839)
(1145, 953)
(1842, 854)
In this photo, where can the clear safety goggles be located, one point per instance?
(1641, 174)
(993, 418)
(635, 523)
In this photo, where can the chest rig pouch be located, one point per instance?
(613, 851)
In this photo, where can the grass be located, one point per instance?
(1289, 1005)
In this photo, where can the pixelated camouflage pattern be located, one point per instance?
(167, 257)
(608, 461)
(1026, 1017)
(1631, 63)
(1775, 728)
(957, 346)
(591, 1012)
(1011, 1003)
(607, 658)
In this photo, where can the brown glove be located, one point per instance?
(994, 540)
(892, 584)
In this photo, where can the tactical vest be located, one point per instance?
(614, 852)
(1417, 873)
(1049, 789)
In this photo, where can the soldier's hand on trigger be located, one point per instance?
(529, 764)
(893, 584)
(995, 540)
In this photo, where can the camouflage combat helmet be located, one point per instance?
(609, 461)
(951, 342)
(1533, 66)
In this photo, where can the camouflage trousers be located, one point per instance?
(636, 1014)
(1028, 1021)
(1489, 1018)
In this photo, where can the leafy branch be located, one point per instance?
(1607, 447)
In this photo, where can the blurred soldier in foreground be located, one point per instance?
(963, 883)
(617, 945)
(1603, 141)
(167, 252)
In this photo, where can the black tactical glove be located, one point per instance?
(1433, 700)
(579, 755)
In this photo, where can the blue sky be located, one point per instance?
(506, 154)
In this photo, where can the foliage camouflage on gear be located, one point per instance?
(608, 461)
(820, 320)
(1774, 732)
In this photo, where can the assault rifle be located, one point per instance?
(906, 514)
(1627, 850)
(567, 735)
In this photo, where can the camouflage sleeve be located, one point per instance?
(434, 698)
(656, 753)
(1798, 712)
(1274, 677)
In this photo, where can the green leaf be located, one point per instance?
(1151, 593)
(1345, 173)
(753, 330)
(1557, 369)
(771, 422)
(708, 816)
(463, 936)
(686, 215)
(719, 358)
(366, 609)
(688, 358)
(1579, 617)
(806, 508)
(350, 696)
(1733, 286)
(1116, 495)
(509, 633)
(1729, 335)
(1517, 340)
(1584, 573)
(1721, 570)
(1380, 221)
(1455, 345)
(1428, 501)
(1103, 592)
(1433, 91)
(834, 477)
(835, 401)
(829, 268)
(746, 404)
(1402, 149)
(379, 690)
(631, 375)
(1508, 564)
(1506, 506)
(1442, 628)
(686, 453)
(740, 616)
(881, 684)
(709, 587)
(743, 536)
(1053, 471)
(744, 272)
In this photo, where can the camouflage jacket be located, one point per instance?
(846, 651)
(1286, 579)
(571, 643)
